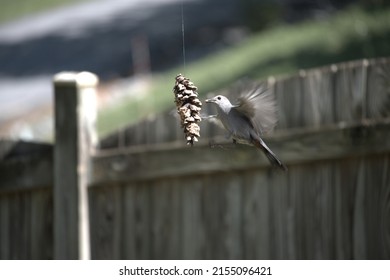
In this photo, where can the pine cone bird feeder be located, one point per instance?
(188, 107)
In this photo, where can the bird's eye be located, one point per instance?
(219, 97)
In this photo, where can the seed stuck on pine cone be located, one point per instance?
(188, 107)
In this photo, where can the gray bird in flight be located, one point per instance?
(247, 120)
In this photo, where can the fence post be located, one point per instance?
(75, 139)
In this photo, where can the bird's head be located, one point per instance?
(221, 101)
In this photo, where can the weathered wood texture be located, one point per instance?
(75, 115)
(26, 224)
(203, 203)
(26, 201)
(333, 209)
(297, 146)
(169, 201)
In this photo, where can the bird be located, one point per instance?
(247, 120)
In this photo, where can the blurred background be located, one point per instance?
(136, 49)
(149, 195)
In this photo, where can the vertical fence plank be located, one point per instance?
(36, 220)
(256, 232)
(350, 91)
(222, 216)
(193, 229)
(41, 219)
(297, 205)
(15, 226)
(374, 179)
(325, 244)
(377, 99)
(320, 87)
(5, 224)
(280, 98)
(166, 197)
(233, 217)
(278, 223)
(346, 178)
(129, 218)
(359, 221)
(75, 116)
(212, 217)
(20, 208)
(116, 227)
(142, 204)
(106, 220)
(384, 210)
(377, 198)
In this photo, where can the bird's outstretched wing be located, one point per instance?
(258, 104)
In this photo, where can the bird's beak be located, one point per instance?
(210, 100)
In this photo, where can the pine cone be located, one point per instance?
(188, 107)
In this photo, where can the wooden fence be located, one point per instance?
(145, 195)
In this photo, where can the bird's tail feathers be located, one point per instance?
(269, 154)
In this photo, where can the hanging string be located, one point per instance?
(182, 33)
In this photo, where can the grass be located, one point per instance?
(351, 34)
(12, 10)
